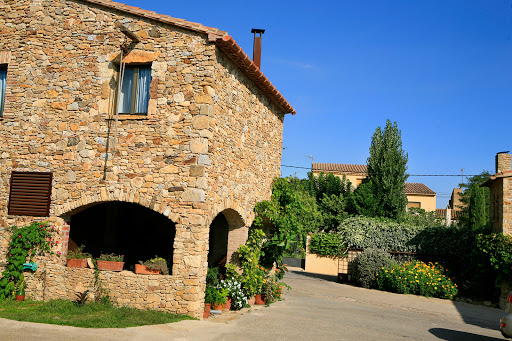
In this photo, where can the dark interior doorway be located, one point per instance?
(219, 230)
(124, 228)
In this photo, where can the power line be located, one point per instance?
(309, 168)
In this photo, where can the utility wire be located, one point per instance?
(309, 168)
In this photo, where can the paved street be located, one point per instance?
(316, 309)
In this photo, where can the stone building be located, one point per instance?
(134, 133)
(500, 185)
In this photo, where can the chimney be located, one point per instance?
(503, 162)
(256, 52)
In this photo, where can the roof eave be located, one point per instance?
(229, 46)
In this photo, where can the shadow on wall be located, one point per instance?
(455, 335)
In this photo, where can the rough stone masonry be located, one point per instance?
(209, 143)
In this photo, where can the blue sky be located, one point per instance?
(441, 69)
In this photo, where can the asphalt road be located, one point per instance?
(317, 308)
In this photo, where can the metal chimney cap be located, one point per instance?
(257, 30)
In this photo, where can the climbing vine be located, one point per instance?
(36, 239)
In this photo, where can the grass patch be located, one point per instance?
(91, 315)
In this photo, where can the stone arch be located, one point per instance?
(136, 227)
(227, 232)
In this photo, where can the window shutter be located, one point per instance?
(30, 194)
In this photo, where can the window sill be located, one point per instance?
(125, 117)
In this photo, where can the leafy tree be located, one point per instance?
(291, 213)
(332, 194)
(387, 166)
(475, 201)
(364, 202)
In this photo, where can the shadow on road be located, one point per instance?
(455, 335)
(330, 278)
(478, 315)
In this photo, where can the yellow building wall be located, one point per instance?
(355, 179)
(427, 202)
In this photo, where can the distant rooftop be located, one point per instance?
(410, 187)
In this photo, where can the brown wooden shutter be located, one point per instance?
(30, 194)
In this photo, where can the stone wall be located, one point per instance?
(209, 142)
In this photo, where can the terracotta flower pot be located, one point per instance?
(259, 299)
(218, 306)
(143, 270)
(207, 308)
(20, 298)
(77, 263)
(227, 305)
(109, 265)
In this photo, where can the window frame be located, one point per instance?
(3, 67)
(135, 84)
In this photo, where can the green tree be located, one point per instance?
(332, 195)
(475, 201)
(387, 166)
(290, 214)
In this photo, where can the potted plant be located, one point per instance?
(110, 261)
(217, 297)
(77, 258)
(154, 266)
(20, 290)
(236, 297)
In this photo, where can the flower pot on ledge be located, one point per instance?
(143, 270)
(110, 265)
(77, 263)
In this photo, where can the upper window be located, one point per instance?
(412, 204)
(3, 77)
(134, 96)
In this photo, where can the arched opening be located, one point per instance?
(227, 233)
(123, 228)
(218, 243)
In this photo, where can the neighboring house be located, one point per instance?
(169, 161)
(500, 185)
(418, 194)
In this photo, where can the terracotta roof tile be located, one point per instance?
(417, 188)
(339, 167)
(224, 42)
(410, 187)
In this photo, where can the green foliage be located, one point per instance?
(364, 201)
(332, 195)
(272, 288)
(478, 210)
(326, 244)
(362, 233)
(417, 278)
(249, 254)
(291, 213)
(91, 315)
(497, 249)
(367, 265)
(455, 248)
(111, 257)
(81, 298)
(235, 292)
(387, 166)
(78, 253)
(156, 263)
(213, 276)
(465, 198)
(420, 217)
(215, 295)
(27, 242)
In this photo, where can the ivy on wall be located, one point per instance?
(36, 239)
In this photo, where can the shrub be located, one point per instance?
(362, 233)
(367, 265)
(326, 244)
(417, 278)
